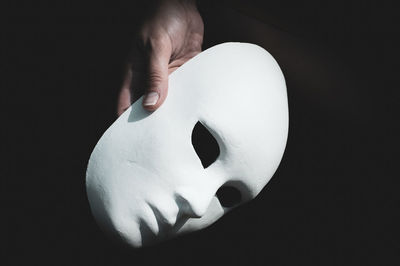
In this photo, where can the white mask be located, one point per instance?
(145, 180)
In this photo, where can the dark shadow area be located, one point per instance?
(146, 233)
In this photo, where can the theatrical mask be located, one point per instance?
(212, 145)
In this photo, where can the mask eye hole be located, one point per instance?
(205, 145)
(229, 196)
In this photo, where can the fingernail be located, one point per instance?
(151, 98)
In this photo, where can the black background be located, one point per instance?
(333, 201)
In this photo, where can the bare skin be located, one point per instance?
(172, 35)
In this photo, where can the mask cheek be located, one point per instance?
(134, 220)
(118, 223)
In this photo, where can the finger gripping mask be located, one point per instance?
(213, 145)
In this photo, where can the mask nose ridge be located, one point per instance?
(194, 202)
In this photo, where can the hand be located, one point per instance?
(169, 37)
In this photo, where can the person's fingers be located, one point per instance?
(124, 98)
(178, 62)
(157, 88)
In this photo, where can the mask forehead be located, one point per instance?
(239, 93)
(145, 170)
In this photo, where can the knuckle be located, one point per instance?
(157, 40)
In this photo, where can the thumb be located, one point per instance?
(157, 88)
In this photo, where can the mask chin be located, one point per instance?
(214, 144)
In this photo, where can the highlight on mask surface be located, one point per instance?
(213, 145)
